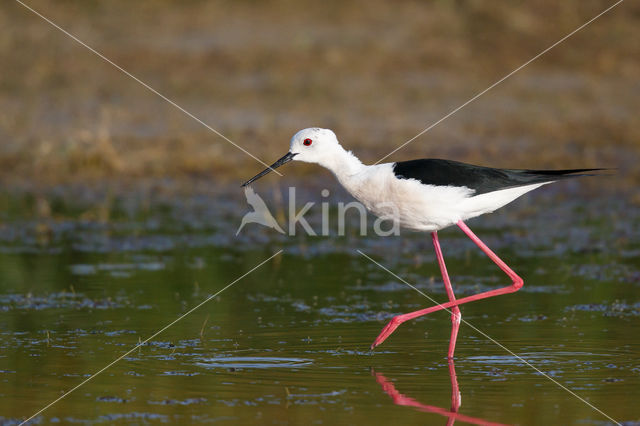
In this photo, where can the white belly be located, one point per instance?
(424, 207)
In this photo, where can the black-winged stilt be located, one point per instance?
(424, 195)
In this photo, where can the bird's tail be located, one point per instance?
(526, 177)
(567, 172)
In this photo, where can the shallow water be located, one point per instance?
(289, 342)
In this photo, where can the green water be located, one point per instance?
(289, 342)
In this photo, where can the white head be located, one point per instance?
(312, 145)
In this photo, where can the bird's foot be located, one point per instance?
(387, 330)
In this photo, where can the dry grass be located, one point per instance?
(377, 72)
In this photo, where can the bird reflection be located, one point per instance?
(452, 414)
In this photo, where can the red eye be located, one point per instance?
(307, 142)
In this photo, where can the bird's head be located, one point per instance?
(312, 145)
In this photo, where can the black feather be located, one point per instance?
(480, 179)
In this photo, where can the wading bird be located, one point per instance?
(424, 195)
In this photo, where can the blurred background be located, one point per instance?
(376, 72)
(118, 212)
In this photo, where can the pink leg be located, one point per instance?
(455, 311)
(515, 286)
(452, 414)
(456, 397)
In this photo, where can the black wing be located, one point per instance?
(480, 179)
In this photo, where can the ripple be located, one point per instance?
(253, 362)
(534, 357)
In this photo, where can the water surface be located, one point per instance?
(289, 342)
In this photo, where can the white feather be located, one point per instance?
(413, 204)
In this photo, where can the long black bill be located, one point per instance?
(285, 159)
